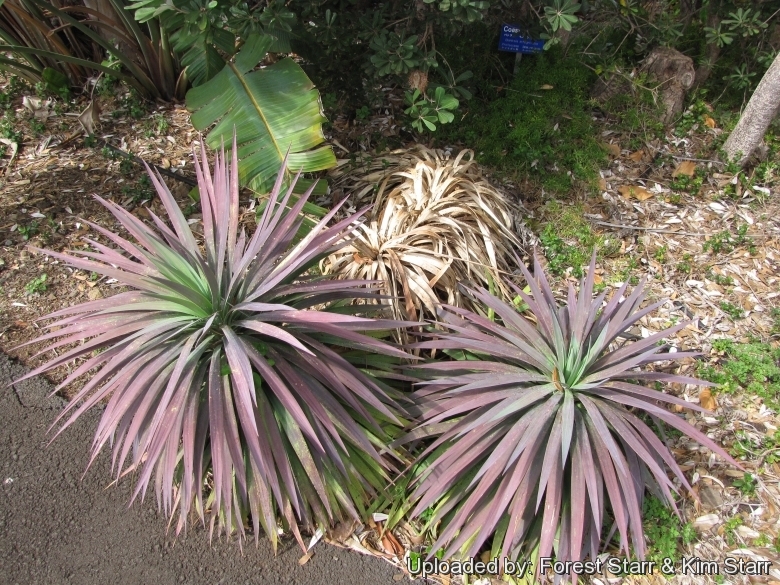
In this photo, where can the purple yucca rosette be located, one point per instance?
(218, 374)
(539, 435)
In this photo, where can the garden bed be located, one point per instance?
(704, 238)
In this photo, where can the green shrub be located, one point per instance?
(541, 126)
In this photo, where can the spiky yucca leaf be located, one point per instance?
(435, 222)
(544, 438)
(217, 371)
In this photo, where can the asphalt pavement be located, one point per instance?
(59, 526)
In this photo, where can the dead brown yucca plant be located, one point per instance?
(435, 222)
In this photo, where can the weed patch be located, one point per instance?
(568, 240)
(36, 285)
(752, 367)
(727, 241)
(664, 532)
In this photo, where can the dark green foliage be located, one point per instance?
(139, 191)
(636, 114)
(548, 134)
(688, 184)
(7, 130)
(694, 115)
(52, 47)
(133, 104)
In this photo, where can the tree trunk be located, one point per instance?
(758, 114)
(674, 73)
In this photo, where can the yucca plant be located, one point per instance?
(435, 222)
(542, 434)
(220, 367)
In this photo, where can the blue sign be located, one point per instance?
(513, 41)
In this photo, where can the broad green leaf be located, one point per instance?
(203, 62)
(448, 102)
(272, 110)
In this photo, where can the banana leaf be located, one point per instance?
(273, 110)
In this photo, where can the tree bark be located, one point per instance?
(755, 120)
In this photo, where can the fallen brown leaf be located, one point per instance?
(709, 122)
(391, 545)
(612, 149)
(637, 156)
(640, 193)
(706, 522)
(343, 531)
(707, 400)
(89, 117)
(686, 167)
(414, 538)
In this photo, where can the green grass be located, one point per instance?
(547, 134)
(753, 367)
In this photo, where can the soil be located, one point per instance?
(57, 527)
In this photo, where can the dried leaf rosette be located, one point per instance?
(542, 433)
(220, 378)
(436, 222)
